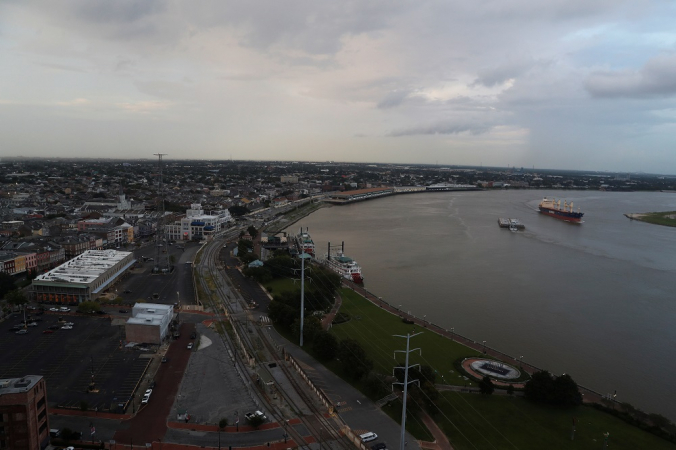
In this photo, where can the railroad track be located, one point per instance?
(320, 427)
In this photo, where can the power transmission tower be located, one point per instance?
(303, 256)
(402, 441)
(161, 262)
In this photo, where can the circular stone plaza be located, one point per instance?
(479, 367)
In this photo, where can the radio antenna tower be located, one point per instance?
(161, 263)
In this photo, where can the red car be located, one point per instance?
(48, 331)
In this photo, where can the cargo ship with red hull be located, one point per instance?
(343, 265)
(554, 209)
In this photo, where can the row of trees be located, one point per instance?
(12, 295)
(543, 387)
(558, 391)
(320, 289)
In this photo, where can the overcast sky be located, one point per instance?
(576, 84)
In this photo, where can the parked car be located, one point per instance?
(165, 359)
(193, 335)
(379, 446)
(190, 346)
(54, 309)
(48, 331)
(23, 331)
(67, 327)
(368, 437)
(53, 327)
(251, 415)
(126, 291)
(32, 324)
(124, 311)
(64, 309)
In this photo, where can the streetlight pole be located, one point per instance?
(303, 256)
(452, 331)
(178, 302)
(520, 361)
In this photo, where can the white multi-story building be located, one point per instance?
(197, 225)
(149, 322)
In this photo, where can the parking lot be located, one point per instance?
(141, 284)
(68, 357)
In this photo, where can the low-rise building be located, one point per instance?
(149, 323)
(83, 278)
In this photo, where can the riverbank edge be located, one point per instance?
(653, 218)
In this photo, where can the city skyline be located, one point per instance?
(566, 85)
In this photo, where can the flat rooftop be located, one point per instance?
(84, 268)
(17, 385)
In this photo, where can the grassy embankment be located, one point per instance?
(473, 421)
(667, 218)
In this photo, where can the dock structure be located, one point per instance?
(341, 198)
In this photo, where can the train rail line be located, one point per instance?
(225, 279)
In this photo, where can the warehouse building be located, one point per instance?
(83, 278)
(149, 323)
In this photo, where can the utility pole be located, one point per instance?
(303, 257)
(402, 441)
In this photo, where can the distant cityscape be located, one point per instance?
(57, 209)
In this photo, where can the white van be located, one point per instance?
(368, 437)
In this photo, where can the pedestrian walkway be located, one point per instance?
(328, 319)
(150, 422)
(440, 440)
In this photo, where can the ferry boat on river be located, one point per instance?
(304, 242)
(343, 265)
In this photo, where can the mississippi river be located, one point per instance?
(596, 300)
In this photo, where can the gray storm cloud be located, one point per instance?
(259, 77)
(443, 128)
(656, 78)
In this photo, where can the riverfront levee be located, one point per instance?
(593, 300)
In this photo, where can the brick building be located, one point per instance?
(24, 424)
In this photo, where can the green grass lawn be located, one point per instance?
(281, 285)
(474, 421)
(660, 218)
(374, 328)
